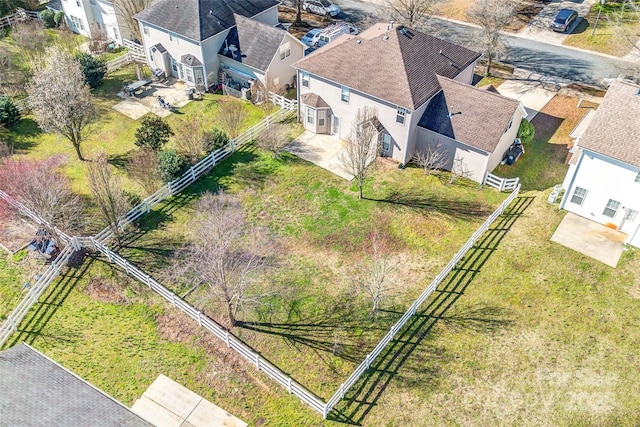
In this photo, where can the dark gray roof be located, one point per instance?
(36, 391)
(398, 65)
(257, 43)
(55, 5)
(200, 19)
(484, 116)
(313, 100)
(615, 127)
(159, 48)
(190, 60)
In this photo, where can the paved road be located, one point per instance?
(528, 54)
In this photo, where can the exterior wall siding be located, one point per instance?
(80, 10)
(605, 178)
(347, 112)
(473, 160)
(176, 48)
(466, 76)
(505, 141)
(269, 16)
(280, 72)
(210, 49)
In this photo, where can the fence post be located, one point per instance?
(289, 384)
(267, 121)
(227, 339)
(258, 361)
(173, 299)
(200, 318)
(148, 281)
(193, 174)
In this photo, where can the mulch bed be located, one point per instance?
(15, 234)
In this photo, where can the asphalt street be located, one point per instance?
(531, 55)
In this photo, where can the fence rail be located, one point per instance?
(194, 173)
(502, 184)
(364, 366)
(20, 16)
(33, 294)
(221, 333)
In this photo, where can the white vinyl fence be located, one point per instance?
(364, 366)
(502, 184)
(20, 16)
(221, 333)
(135, 53)
(195, 172)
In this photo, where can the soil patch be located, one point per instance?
(104, 290)
(15, 234)
(526, 11)
(309, 21)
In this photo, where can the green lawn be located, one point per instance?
(13, 275)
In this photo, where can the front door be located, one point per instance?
(630, 221)
(335, 125)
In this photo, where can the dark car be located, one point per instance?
(563, 20)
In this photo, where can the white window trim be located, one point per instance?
(305, 79)
(145, 30)
(637, 178)
(401, 115)
(581, 197)
(609, 208)
(345, 94)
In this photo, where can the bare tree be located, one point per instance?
(459, 170)
(41, 187)
(191, 134)
(373, 274)
(232, 116)
(434, 158)
(273, 138)
(127, 9)
(142, 167)
(225, 253)
(625, 22)
(493, 16)
(106, 188)
(59, 97)
(99, 40)
(362, 145)
(30, 36)
(410, 12)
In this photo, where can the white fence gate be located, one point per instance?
(502, 184)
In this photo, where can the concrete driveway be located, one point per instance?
(590, 238)
(532, 90)
(321, 150)
(538, 29)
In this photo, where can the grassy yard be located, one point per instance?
(13, 275)
(607, 38)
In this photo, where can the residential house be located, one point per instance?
(603, 180)
(35, 390)
(420, 87)
(194, 39)
(85, 17)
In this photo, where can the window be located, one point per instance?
(401, 114)
(321, 114)
(145, 30)
(285, 50)
(611, 209)
(77, 22)
(116, 36)
(344, 95)
(579, 195)
(310, 115)
(78, 3)
(508, 126)
(631, 215)
(305, 79)
(188, 72)
(638, 177)
(386, 142)
(172, 37)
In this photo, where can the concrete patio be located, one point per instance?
(134, 107)
(533, 91)
(321, 150)
(590, 238)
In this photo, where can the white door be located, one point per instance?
(335, 125)
(630, 221)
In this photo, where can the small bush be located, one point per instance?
(171, 164)
(47, 17)
(153, 133)
(526, 132)
(216, 140)
(58, 18)
(9, 114)
(94, 69)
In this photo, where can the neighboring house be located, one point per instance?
(85, 16)
(193, 39)
(35, 390)
(416, 83)
(603, 180)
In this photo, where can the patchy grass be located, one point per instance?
(12, 278)
(490, 80)
(607, 38)
(543, 164)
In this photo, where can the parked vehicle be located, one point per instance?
(334, 31)
(320, 7)
(311, 38)
(563, 20)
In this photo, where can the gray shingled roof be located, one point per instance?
(200, 19)
(397, 65)
(313, 100)
(190, 60)
(36, 391)
(484, 114)
(257, 42)
(615, 127)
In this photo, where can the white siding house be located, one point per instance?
(408, 77)
(184, 38)
(85, 16)
(603, 181)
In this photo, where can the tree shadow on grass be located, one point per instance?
(120, 160)
(462, 209)
(364, 395)
(21, 138)
(36, 321)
